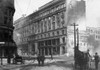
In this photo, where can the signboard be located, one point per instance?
(2, 42)
(7, 44)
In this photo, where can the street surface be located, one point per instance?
(62, 63)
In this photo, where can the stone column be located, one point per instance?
(60, 46)
(44, 51)
(48, 51)
(61, 40)
(30, 48)
(36, 47)
(61, 50)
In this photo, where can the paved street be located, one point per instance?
(56, 64)
(63, 63)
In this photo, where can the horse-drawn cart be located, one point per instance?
(82, 59)
(18, 59)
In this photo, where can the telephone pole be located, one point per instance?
(74, 24)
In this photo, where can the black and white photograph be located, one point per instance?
(49, 34)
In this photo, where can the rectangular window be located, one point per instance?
(5, 20)
(57, 32)
(64, 5)
(53, 21)
(46, 43)
(62, 19)
(57, 41)
(49, 23)
(62, 32)
(49, 42)
(53, 42)
(63, 39)
(58, 20)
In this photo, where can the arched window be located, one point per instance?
(53, 22)
(49, 23)
(62, 19)
(58, 20)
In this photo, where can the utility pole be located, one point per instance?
(74, 38)
(74, 24)
(77, 37)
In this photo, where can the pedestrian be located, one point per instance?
(14, 58)
(38, 59)
(96, 59)
(42, 59)
(88, 59)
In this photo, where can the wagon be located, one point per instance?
(18, 59)
(82, 60)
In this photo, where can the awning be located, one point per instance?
(8, 44)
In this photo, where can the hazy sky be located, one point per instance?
(93, 12)
(28, 6)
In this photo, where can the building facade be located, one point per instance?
(94, 31)
(7, 45)
(44, 31)
(82, 41)
(94, 38)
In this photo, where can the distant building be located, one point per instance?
(94, 31)
(83, 45)
(44, 30)
(94, 38)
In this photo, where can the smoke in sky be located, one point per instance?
(93, 13)
(76, 11)
(88, 16)
(90, 9)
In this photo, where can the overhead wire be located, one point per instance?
(19, 6)
(23, 13)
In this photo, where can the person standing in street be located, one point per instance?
(96, 59)
(88, 59)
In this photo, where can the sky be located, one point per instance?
(29, 6)
(93, 13)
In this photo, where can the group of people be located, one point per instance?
(96, 59)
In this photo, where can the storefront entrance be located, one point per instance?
(7, 52)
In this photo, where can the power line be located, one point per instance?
(19, 6)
